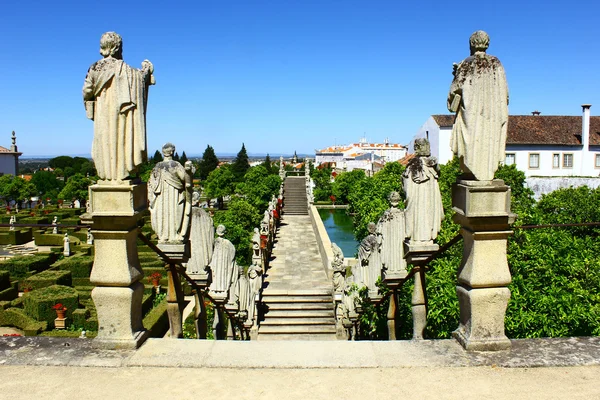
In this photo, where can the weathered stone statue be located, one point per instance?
(169, 194)
(479, 96)
(67, 245)
(222, 265)
(115, 96)
(90, 236)
(254, 274)
(256, 244)
(392, 228)
(12, 222)
(55, 225)
(202, 237)
(339, 270)
(424, 210)
(244, 295)
(369, 260)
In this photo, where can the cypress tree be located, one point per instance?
(183, 158)
(208, 164)
(240, 164)
(157, 157)
(267, 164)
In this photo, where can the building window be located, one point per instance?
(534, 160)
(510, 159)
(568, 160)
(555, 160)
(597, 160)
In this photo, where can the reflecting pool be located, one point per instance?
(339, 227)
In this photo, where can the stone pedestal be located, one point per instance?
(115, 211)
(417, 254)
(483, 211)
(176, 253)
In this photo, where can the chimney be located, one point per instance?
(585, 127)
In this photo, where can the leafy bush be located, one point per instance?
(79, 265)
(18, 318)
(20, 266)
(48, 278)
(38, 303)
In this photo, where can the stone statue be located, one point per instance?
(256, 244)
(424, 210)
(222, 265)
(202, 237)
(339, 270)
(392, 227)
(244, 295)
(67, 245)
(12, 222)
(115, 96)
(479, 96)
(55, 225)
(369, 260)
(169, 194)
(254, 274)
(90, 237)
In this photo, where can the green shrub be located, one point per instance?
(157, 321)
(38, 303)
(20, 266)
(18, 318)
(18, 236)
(48, 278)
(79, 265)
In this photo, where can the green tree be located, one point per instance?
(345, 183)
(75, 188)
(183, 158)
(219, 184)
(240, 164)
(176, 156)
(240, 218)
(209, 163)
(16, 188)
(258, 187)
(322, 180)
(46, 184)
(61, 162)
(267, 164)
(157, 157)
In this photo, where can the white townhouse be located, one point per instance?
(9, 158)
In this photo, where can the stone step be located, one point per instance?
(300, 306)
(287, 329)
(296, 321)
(269, 299)
(300, 292)
(299, 313)
(306, 336)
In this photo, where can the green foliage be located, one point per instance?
(322, 180)
(219, 184)
(345, 183)
(157, 320)
(38, 303)
(20, 266)
(49, 278)
(183, 158)
(267, 164)
(76, 188)
(209, 163)
(240, 165)
(80, 266)
(18, 318)
(47, 184)
(258, 187)
(157, 157)
(68, 166)
(16, 188)
(240, 219)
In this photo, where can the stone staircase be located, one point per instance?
(297, 315)
(294, 191)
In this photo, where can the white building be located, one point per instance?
(9, 158)
(540, 146)
(362, 155)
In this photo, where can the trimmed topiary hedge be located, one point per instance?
(157, 320)
(79, 265)
(49, 278)
(18, 318)
(18, 236)
(38, 303)
(8, 290)
(20, 266)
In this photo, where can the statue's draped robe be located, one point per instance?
(369, 251)
(166, 193)
(392, 226)
(479, 132)
(222, 265)
(424, 210)
(202, 237)
(119, 95)
(245, 298)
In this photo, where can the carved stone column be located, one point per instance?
(483, 211)
(115, 211)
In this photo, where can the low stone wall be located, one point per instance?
(545, 185)
(322, 239)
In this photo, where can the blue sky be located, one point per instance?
(286, 75)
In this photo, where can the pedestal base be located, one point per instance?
(177, 252)
(119, 316)
(482, 314)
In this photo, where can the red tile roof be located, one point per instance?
(541, 129)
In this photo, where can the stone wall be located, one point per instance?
(545, 185)
(322, 239)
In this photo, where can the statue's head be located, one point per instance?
(255, 230)
(479, 41)
(221, 230)
(111, 45)
(372, 227)
(422, 147)
(168, 150)
(394, 199)
(195, 198)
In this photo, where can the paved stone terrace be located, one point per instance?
(295, 262)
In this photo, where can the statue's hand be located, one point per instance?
(148, 66)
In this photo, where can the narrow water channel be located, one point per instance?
(339, 227)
